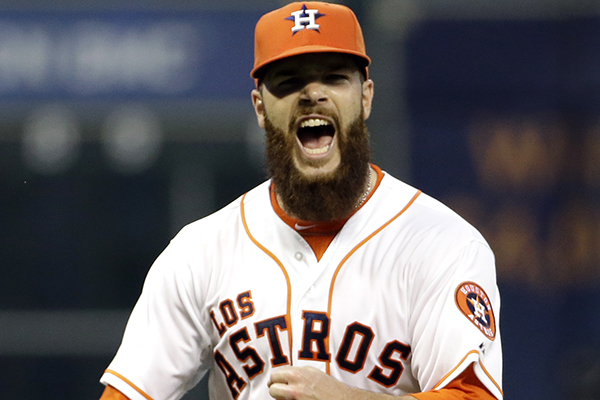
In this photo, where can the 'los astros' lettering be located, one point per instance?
(357, 338)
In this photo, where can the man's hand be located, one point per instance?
(308, 383)
(305, 383)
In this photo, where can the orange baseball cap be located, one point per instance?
(307, 27)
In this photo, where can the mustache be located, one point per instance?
(302, 111)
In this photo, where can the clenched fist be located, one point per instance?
(305, 383)
(308, 383)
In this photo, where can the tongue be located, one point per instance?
(316, 142)
(314, 138)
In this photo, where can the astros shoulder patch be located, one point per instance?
(474, 303)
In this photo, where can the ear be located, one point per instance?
(259, 107)
(367, 97)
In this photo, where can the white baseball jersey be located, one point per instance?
(402, 301)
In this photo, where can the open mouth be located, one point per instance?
(316, 135)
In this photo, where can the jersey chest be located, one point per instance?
(346, 315)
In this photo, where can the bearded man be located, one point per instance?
(333, 279)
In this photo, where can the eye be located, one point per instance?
(289, 82)
(336, 78)
(282, 86)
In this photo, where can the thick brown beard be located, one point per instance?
(325, 198)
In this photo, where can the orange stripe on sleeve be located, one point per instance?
(460, 363)
(140, 391)
(454, 369)
(466, 386)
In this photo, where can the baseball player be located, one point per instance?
(331, 280)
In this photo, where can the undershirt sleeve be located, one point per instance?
(466, 386)
(110, 393)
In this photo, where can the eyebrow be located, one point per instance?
(285, 72)
(294, 71)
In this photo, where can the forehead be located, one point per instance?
(311, 64)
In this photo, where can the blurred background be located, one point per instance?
(122, 121)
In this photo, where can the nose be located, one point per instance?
(313, 93)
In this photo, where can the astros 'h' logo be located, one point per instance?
(305, 19)
(474, 303)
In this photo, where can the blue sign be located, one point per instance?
(132, 54)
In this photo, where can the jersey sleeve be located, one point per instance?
(464, 387)
(165, 347)
(455, 321)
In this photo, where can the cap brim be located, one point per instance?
(257, 73)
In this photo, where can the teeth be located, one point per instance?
(313, 122)
(321, 150)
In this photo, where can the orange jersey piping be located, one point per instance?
(459, 364)
(287, 278)
(140, 391)
(490, 376)
(335, 274)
